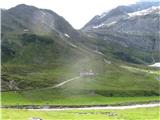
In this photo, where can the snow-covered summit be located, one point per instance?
(145, 12)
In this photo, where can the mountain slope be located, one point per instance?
(134, 28)
(35, 20)
(118, 13)
(36, 37)
(41, 50)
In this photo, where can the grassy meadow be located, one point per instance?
(112, 84)
(128, 114)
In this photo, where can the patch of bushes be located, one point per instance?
(127, 93)
(32, 38)
(126, 57)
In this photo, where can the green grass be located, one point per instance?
(54, 97)
(33, 69)
(111, 85)
(128, 114)
(108, 76)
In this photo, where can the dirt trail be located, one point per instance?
(103, 107)
(62, 83)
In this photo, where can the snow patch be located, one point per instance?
(145, 12)
(98, 26)
(155, 65)
(67, 35)
(102, 16)
(108, 25)
(100, 53)
(73, 45)
(111, 23)
(107, 61)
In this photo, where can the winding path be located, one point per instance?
(62, 83)
(102, 107)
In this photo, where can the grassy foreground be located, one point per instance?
(128, 114)
(51, 99)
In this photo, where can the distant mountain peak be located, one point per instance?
(155, 9)
(36, 20)
(118, 13)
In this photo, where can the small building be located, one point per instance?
(87, 73)
(25, 30)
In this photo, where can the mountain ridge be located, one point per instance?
(140, 33)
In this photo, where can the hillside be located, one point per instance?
(44, 57)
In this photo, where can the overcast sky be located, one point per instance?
(76, 12)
